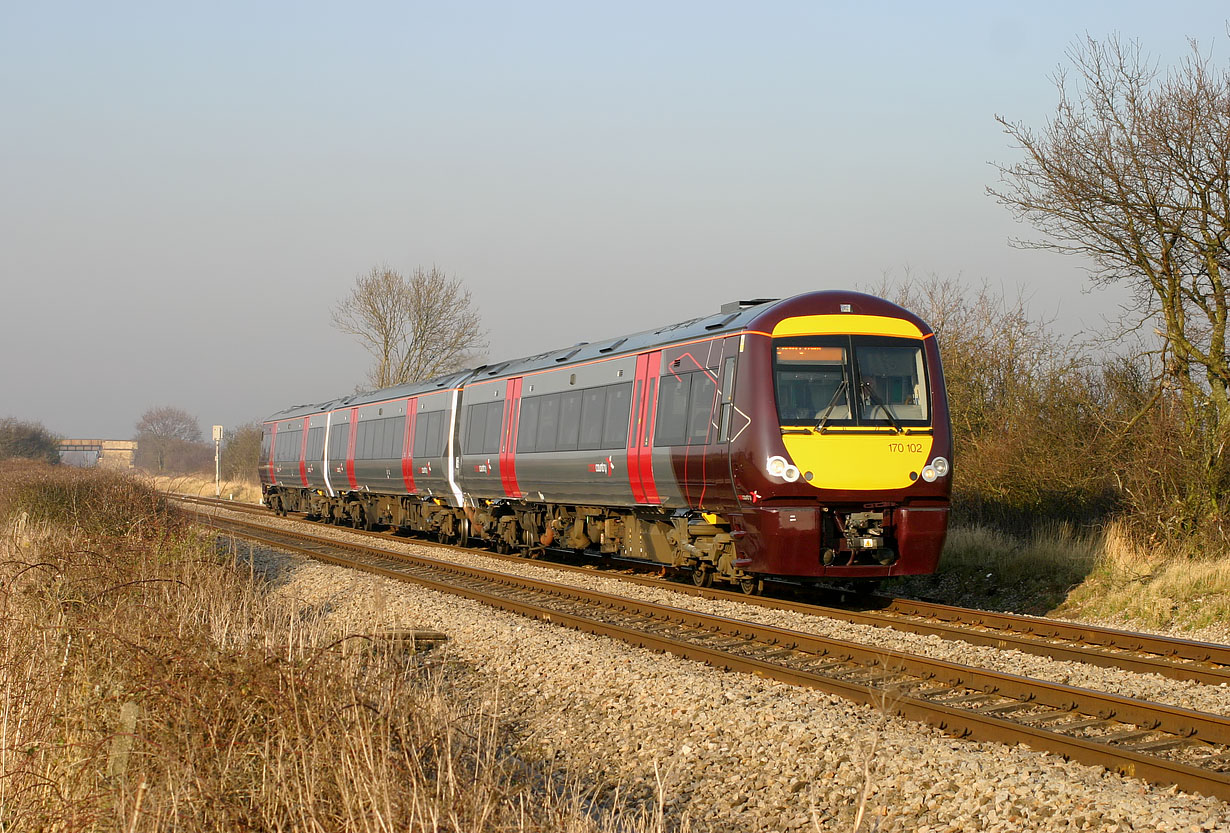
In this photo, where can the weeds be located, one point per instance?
(151, 684)
(1106, 574)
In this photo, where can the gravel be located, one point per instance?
(731, 752)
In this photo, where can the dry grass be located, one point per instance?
(150, 683)
(1103, 574)
(1152, 586)
(243, 491)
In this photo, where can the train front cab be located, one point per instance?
(848, 475)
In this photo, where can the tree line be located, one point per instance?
(1131, 173)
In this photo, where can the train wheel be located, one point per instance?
(463, 533)
(752, 586)
(369, 521)
(702, 576)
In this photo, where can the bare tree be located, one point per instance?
(1133, 172)
(164, 435)
(417, 327)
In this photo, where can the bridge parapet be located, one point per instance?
(106, 454)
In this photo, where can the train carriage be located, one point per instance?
(804, 438)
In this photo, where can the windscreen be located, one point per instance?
(850, 380)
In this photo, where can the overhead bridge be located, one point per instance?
(107, 454)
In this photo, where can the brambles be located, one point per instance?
(152, 683)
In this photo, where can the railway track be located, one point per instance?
(1202, 662)
(1156, 742)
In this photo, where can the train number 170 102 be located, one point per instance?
(905, 448)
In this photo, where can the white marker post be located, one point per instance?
(218, 461)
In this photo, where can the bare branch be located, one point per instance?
(416, 327)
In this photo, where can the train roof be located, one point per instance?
(756, 314)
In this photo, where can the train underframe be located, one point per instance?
(857, 543)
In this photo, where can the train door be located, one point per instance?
(640, 433)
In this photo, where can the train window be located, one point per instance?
(726, 409)
(812, 381)
(615, 423)
(891, 376)
(287, 449)
(435, 434)
(548, 423)
(339, 437)
(672, 427)
(700, 407)
(527, 426)
(593, 407)
(495, 422)
(476, 427)
(421, 424)
(316, 439)
(569, 421)
(394, 439)
(850, 380)
(377, 443)
(429, 434)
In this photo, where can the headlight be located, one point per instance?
(929, 474)
(791, 474)
(941, 466)
(777, 467)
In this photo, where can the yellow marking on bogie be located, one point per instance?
(869, 325)
(859, 461)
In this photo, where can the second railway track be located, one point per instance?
(1202, 662)
(1160, 743)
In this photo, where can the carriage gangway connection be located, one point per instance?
(1159, 743)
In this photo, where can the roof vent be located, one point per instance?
(737, 306)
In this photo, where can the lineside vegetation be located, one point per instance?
(152, 684)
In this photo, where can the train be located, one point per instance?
(803, 439)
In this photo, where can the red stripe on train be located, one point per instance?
(303, 452)
(508, 444)
(407, 448)
(354, 434)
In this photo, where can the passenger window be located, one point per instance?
(527, 427)
(618, 412)
(436, 437)
(569, 421)
(421, 425)
(548, 422)
(495, 420)
(476, 428)
(593, 407)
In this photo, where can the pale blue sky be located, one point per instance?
(185, 191)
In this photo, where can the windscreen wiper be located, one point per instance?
(819, 429)
(870, 390)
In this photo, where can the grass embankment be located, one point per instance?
(151, 684)
(1102, 575)
(243, 491)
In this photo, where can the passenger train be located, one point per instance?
(805, 438)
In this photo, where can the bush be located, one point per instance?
(93, 503)
(28, 440)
